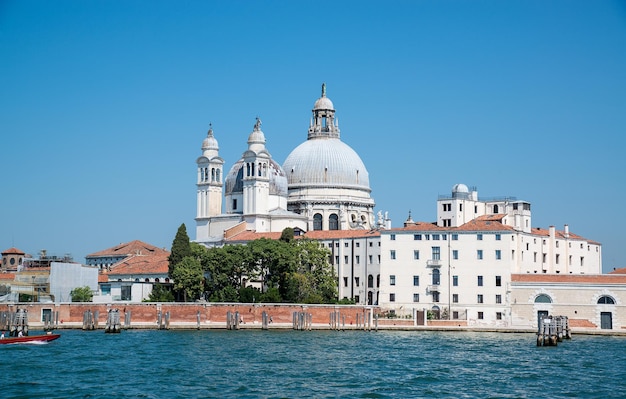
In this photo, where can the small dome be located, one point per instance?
(460, 188)
(323, 103)
(278, 180)
(210, 143)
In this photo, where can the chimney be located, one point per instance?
(566, 231)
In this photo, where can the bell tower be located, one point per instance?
(209, 181)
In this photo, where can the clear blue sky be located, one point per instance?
(104, 106)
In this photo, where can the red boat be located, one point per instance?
(29, 339)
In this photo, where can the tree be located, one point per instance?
(188, 278)
(180, 248)
(81, 294)
(160, 294)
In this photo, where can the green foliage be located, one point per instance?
(271, 296)
(250, 295)
(180, 248)
(81, 294)
(287, 235)
(346, 301)
(160, 294)
(188, 278)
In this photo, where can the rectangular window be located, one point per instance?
(498, 254)
(357, 259)
(436, 253)
(345, 259)
(234, 204)
(455, 315)
(345, 281)
(480, 281)
(455, 254)
(498, 281)
(436, 296)
(479, 298)
(455, 237)
(544, 257)
(416, 254)
(356, 281)
(557, 258)
(371, 244)
(447, 222)
(416, 281)
(498, 237)
(126, 293)
(479, 254)
(498, 298)
(427, 236)
(392, 280)
(480, 315)
(392, 237)
(392, 297)
(417, 237)
(357, 299)
(336, 259)
(498, 315)
(455, 298)
(330, 245)
(535, 257)
(371, 258)
(435, 236)
(358, 244)
(392, 254)
(345, 244)
(416, 297)
(479, 237)
(444, 237)
(455, 281)
(379, 259)
(105, 289)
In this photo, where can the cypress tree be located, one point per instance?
(181, 247)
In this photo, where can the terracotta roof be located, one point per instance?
(7, 276)
(559, 234)
(142, 264)
(13, 251)
(485, 224)
(130, 248)
(619, 271)
(418, 226)
(249, 235)
(569, 278)
(103, 277)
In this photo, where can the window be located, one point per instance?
(317, 221)
(392, 297)
(435, 236)
(455, 237)
(455, 298)
(126, 293)
(498, 254)
(370, 281)
(392, 280)
(498, 315)
(333, 222)
(436, 253)
(479, 298)
(416, 297)
(436, 277)
(447, 222)
(479, 254)
(345, 259)
(543, 298)
(582, 260)
(444, 237)
(455, 281)
(544, 257)
(455, 254)
(358, 244)
(336, 259)
(416, 254)
(427, 236)
(498, 281)
(480, 281)
(479, 237)
(345, 244)
(356, 282)
(535, 257)
(392, 254)
(498, 298)
(345, 281)
(105, 289)
(436, 296)
(392, 237)
(357, 299)
(606, 300)
(371, 244)
(416, 281)
(498, 237)
(557, 244)
(235, 204)
(357, 259)
(417, 237)
(557, 258)
(480, 315)
(371, 259)
(447, 207)
(455, 315)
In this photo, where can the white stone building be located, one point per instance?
(460, 267)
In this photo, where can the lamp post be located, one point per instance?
(33, 298)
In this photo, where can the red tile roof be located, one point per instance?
(135, 247)
(13, 251)
(142, 265)
(559, 234)
(619, 271)
(569, 278)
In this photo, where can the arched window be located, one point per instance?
(370, 281)
(606, 300)
(543, 298)
(218, 177)
(156, 280)
(167, 279)
(333, 222)
(377, 280)
(147, 280)
(495, 208)
(317, 221)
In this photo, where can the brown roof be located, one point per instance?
(569, 278)
(13, 251)
(249, 235)
(619, 271)
(7, 276)
(135, 247)
(559, 234)
(143, 264)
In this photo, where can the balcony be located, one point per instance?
(433, 288)
(433, 263)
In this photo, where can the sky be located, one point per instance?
(104, 106)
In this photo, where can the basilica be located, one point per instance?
(322, 185)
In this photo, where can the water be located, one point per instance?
(319, 364)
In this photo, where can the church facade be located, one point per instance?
(322, 185)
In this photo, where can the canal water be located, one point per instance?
(312, 364)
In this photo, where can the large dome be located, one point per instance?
(325, 162)
(234, 180)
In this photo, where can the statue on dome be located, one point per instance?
(257, 125)
(323, 89)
